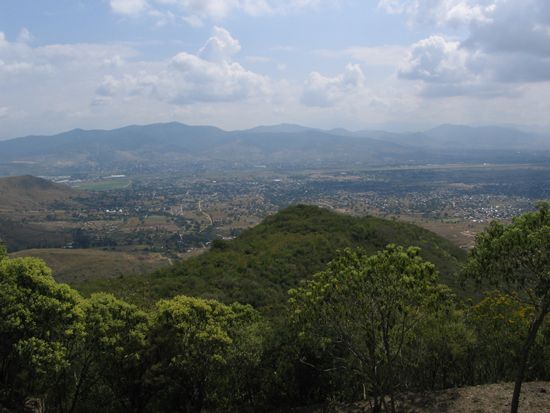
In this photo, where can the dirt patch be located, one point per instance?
(491, 398)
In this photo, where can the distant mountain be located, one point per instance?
(280, 128)
(19, 193)
(487, 137)
(261, 264)
(175, 146)
(96, 147)
(465, 138)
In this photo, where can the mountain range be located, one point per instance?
(175, 146)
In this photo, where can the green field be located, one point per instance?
(105, 184)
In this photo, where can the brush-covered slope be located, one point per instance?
(264, 262)
(27, 192)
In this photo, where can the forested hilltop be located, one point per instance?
(364, 318)
(260, 265)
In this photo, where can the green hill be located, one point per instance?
(264, 262)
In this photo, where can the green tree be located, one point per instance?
(113, 363)
(40, 322)
(364, 310)
(440, 351)
(197, 344)
(500, 323)
(516, 258)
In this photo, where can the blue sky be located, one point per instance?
(394, 64)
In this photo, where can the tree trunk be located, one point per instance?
(524, 357)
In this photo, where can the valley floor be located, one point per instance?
(491, 398)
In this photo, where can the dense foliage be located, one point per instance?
(372, 323)
(516, 257)
(365, 310)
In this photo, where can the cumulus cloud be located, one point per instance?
(437, 60)
(507, 42)
(221, 46)
(322, 91)
(514, 27)
(211, 75)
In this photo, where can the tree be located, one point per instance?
(500, 322)
(364, 310)
(516, 258)
(196, 343)
(440, 352)
(112, 365)
(40, 322)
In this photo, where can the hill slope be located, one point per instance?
(264, 262)
(72, 264)
(28, 192)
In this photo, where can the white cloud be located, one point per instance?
(211, 75)
(51, 82)
(437, 60)
(506, 43)
(493, 26)
(128, 7)
(20, 58)
(322, 91)
(441, 12)
(203, 80)
(221, 46)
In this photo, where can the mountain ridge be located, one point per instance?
(175, 145)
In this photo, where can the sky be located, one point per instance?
(235, 64)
